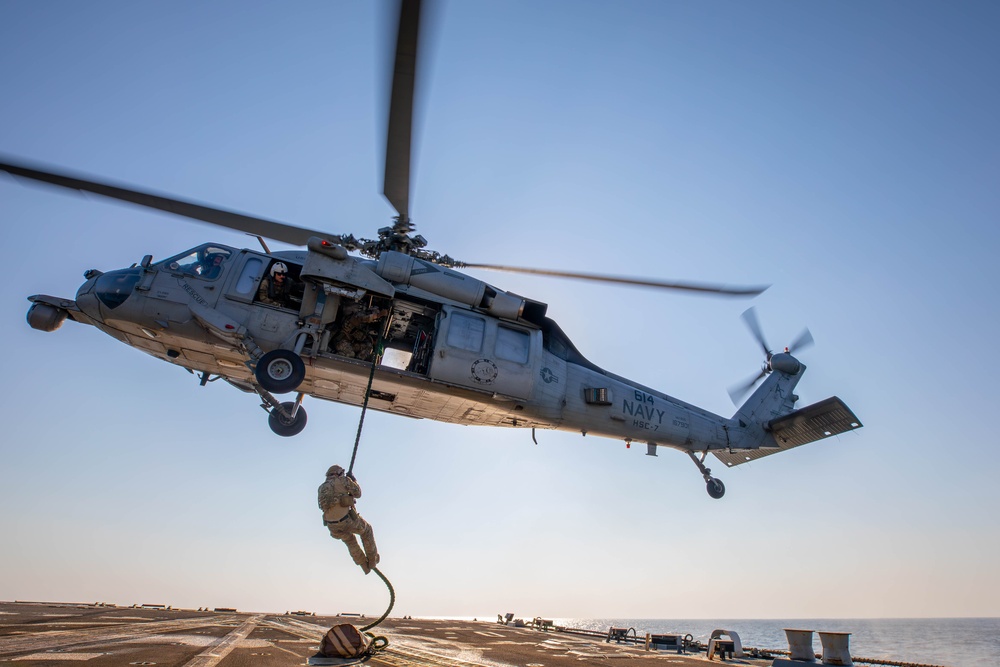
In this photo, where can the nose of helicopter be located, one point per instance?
(86, 299)
(105, 292)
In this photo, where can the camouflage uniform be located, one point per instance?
(356, 338)
(336, 498)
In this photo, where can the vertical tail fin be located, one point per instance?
(772, 399)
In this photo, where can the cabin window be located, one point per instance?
(466, 332)
(513, 345)
(248, 277)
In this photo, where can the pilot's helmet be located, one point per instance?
(214, 258)
(278, 267)
(335, 471)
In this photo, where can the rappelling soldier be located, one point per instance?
(337, 496)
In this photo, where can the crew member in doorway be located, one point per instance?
(275, 288)
(337, 496)
(357, 336)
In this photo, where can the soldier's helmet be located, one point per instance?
(278, 267)
(336, 471)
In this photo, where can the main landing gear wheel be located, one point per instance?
(280, 371)
(287, 427)
(716, 488)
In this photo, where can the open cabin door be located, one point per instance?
(479, 351)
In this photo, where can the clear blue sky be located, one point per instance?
(846, 153)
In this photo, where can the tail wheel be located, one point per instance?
(280, 371)
(287, 427)
(716, 488)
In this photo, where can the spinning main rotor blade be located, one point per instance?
(724, 290)
(271, 229)
(400, 129)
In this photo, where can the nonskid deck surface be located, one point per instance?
(57, 634)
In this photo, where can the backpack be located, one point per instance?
(346, 641)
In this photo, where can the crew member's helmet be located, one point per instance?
(278, 267)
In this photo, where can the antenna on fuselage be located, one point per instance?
(262, 243)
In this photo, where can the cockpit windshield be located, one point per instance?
(206, 262)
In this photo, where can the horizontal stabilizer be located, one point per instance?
(808, 424)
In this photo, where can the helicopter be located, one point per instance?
(388, 324)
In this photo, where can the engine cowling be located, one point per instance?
(450, 284)
(45, 317)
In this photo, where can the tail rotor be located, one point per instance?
(782, 361)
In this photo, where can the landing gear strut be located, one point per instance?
(285, 419)
(714, 486)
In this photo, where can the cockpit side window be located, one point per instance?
(206, 262)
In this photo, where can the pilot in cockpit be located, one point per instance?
(212, 266)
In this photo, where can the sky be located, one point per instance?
(847, 154)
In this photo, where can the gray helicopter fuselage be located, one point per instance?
(413, 338)
(474, 367)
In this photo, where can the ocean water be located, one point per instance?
(955, 642)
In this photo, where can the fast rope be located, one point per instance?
(392, 600)
(378, 643)
(376, 355)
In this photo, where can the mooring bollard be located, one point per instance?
(800, 645)
(836, 648)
